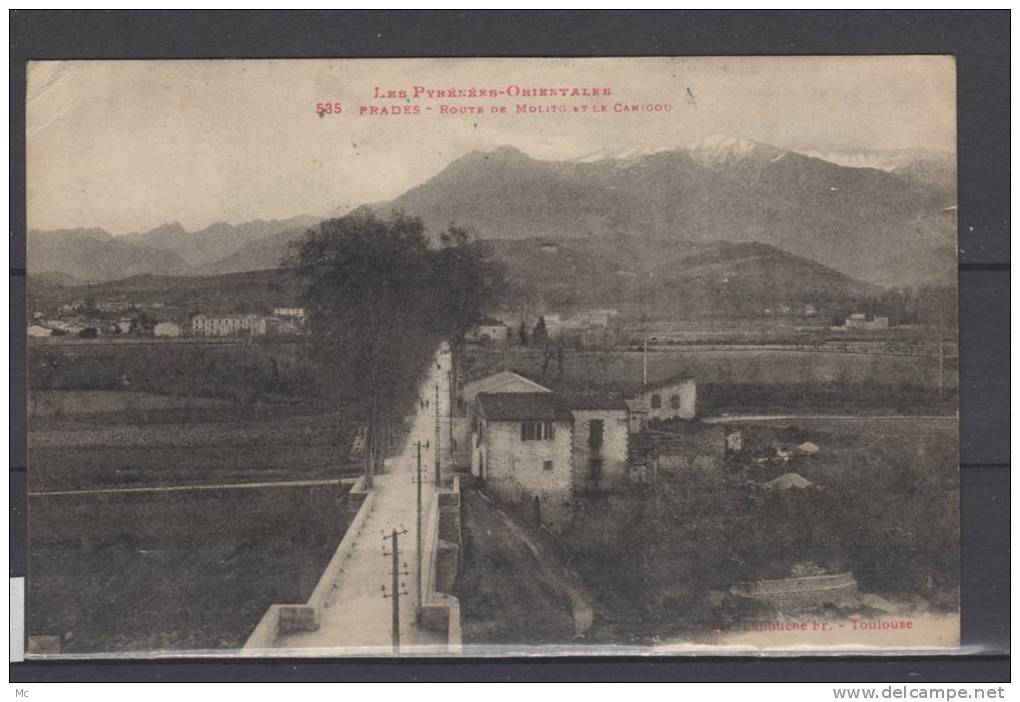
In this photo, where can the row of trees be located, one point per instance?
(379, 295)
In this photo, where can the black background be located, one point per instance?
(978, 40)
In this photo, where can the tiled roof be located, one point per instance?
(519, 406)
(499, 380)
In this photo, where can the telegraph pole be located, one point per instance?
(396, 587)
(449, 410)
(644, 363)
(436, 448)
(418, 590)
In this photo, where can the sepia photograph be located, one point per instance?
(492, 357)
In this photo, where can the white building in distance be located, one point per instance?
(228, 325)
(166, 329)
(297, 313)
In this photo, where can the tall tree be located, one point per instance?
(539, 335)
(371, 325)
(522, 334)
(468, 283)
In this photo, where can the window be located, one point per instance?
(537, 431)
(674, 402)
(547, 466)
(595, 432)
(656, 401)
(595, 469)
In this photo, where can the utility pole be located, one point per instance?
(436, 448)
(397, 589)
(644, 363)
(942, 361)
(368, 457)
(449, 411)
(418, 572)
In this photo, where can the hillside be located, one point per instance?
(264, 253)
(935, 168)
(684, 279)
(94, 255)
(648, 276)
(236, 292)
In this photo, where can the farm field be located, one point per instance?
(81, 440)
(182, 571)
(104, 467)
(186, 569)
(736, 364)
(751, 380)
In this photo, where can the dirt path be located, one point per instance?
(514, 586)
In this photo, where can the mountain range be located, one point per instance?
(894, 226)
(881, 217)
(95, 255)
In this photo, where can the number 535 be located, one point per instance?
(328, 108)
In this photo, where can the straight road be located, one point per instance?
(357, 618)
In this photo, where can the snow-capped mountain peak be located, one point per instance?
(721, 148)
(624, 153)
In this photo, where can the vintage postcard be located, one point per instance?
(492, 356)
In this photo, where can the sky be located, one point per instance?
(130, 145)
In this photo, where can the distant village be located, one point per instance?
(120, 318)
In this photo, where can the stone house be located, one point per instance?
(464, 423)
(601, 439)
(672, 398)
(521, 448)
